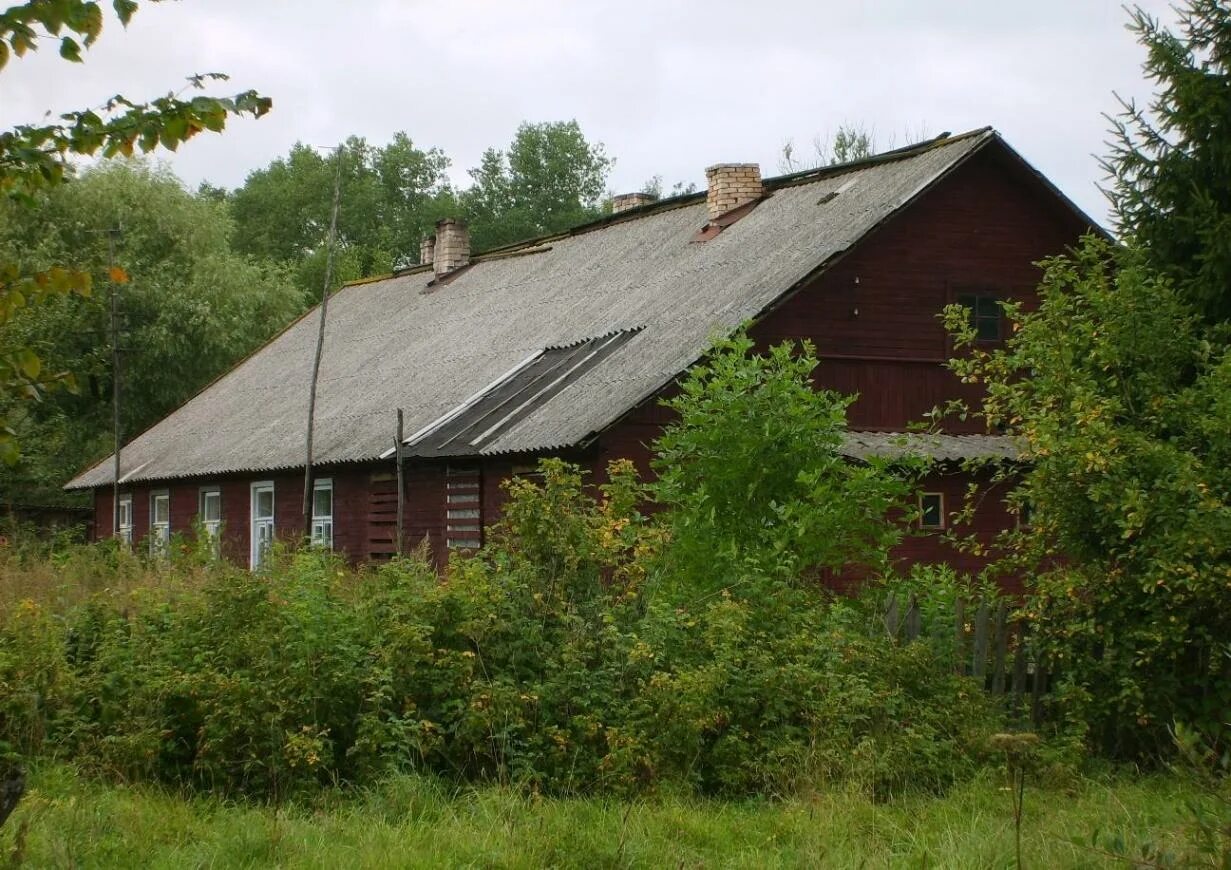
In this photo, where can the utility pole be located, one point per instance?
(117, 432)
(320, 345)
(397, 452)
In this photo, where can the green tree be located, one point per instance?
(753, 480)
(392, 196)
(35, 157)
(1119, 386)
(192, 308)
(1170, 166)
(549, 179)
(1125, 419)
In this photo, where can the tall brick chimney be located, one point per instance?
(427, 249)
(731, 185)
(624, 201)
(452, 246)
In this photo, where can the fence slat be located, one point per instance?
(979, 666)
(959, 636)
(891, 615)
(1019, 669)
(913, 620)
(1002, 646)
(1040, 686)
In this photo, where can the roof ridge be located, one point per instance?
(905, 152)
(771, 183)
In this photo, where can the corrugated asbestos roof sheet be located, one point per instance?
(937, 447)
(390, 344)
(483, 417)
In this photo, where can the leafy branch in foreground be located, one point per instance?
(35, 157)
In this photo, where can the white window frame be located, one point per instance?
(160, 530)
(125, 529)
(256, 552)
(932, 527)
(213, 528)
(322, 524)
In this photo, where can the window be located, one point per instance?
(322, 513)
(1025, 515)
(984, 315)
(126, 520)
(931, 510)
(210, 512)
(160, 522)
(463, 515)
(262, 522)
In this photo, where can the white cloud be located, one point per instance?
(668, 86)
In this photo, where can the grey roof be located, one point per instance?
(398, 342)
(937, 447)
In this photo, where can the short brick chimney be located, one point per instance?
(624, 201)
(427, 249)
(731, 185)
(452, 249)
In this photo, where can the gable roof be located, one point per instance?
(439, 350)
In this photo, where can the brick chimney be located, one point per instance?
(624, 201)
(731, 185)
(427, 248)
(452, 246)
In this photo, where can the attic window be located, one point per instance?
(512, 397)
(985, 314)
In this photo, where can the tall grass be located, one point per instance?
(413, 821)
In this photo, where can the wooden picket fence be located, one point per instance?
(986, 645)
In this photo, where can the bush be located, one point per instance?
(552, 661)
(588, 648)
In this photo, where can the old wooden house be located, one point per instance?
(564, 346)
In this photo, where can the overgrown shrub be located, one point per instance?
(551, 661)
(588, 648)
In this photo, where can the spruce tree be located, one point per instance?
(1170, 164)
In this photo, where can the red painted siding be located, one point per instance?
(874, 315)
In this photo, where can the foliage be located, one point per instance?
(1206, 834)
(392, 196)
(654, 187)
(1170, 167)
(753, 480)
(550, 178)
(192, 308)
(36, 157)
(547, 661)
(850, 142)
(1127, 428)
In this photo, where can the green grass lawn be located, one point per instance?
(69, 821)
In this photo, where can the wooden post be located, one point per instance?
(320, 346)
(397, 452)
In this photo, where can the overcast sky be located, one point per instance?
(669, 87)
